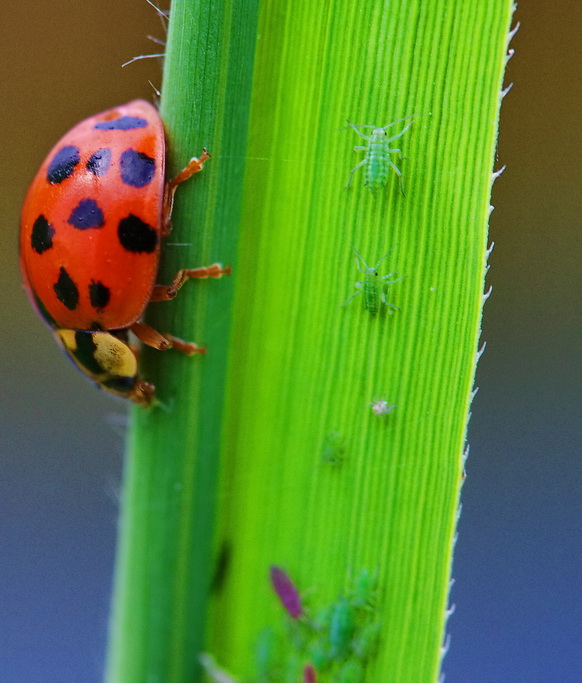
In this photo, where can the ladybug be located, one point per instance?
(90, 240)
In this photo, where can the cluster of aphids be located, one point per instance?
(377, 164)
(332, 642)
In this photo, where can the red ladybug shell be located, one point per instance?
(91, 220)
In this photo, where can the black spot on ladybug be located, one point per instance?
(66, 290)
(85, 352)
(99, 295)
(122, 123)
(42, 235)
(63, 164)
(99, 161)
(137, 169)
(86, 214)
(136, 236)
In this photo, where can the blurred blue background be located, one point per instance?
(519, 555)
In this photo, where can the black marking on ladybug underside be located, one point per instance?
(120, 334)
(86, 214)
(136, 235)
(99, 161)
(99, 295)
(120, 383)
(42, 235)
(85, 352)
(66, 290)
(122, 123)
(137, 169)
(62, 164)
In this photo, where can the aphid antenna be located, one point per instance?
(135, 59)
(353, 125)
(360, 262)
(401, 120)
(367, 125)
(380, 261)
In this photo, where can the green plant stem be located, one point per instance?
(165, 551)
(302, 370)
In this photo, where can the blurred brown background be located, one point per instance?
(519, 553)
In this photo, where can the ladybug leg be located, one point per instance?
(167, 292)
(163, 342)
(142, 394)
(194, 166)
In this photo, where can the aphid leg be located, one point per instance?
(147, 335)
(360, 148)
(354, 169)
(399, 174)
(391, 282)
(387, 303)
(168, 292)
(195, 165)
(345, 303)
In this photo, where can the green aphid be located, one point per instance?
(363, 591)
(372, 286)
(377, 162)
(341, 629)
(334, 448)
